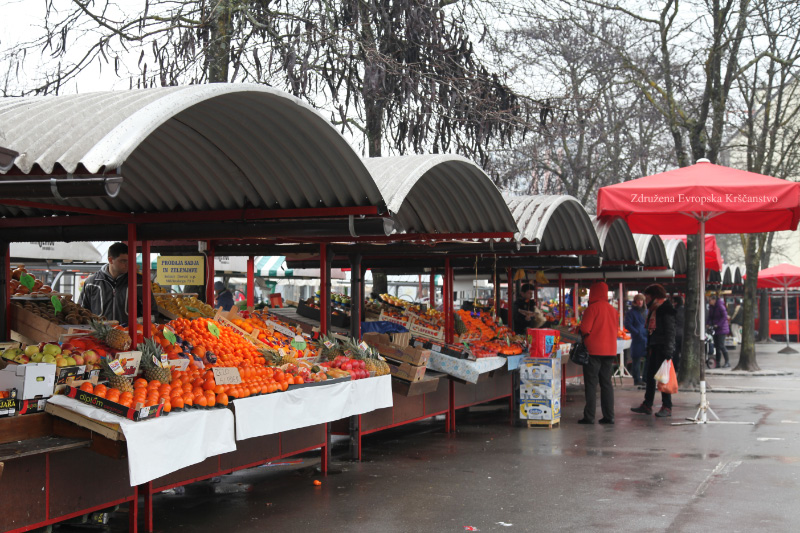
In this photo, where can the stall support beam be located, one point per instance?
(147, 289)
(132, 281)
(510, 297)
(432, 290)
(451, 414)
(356, 296)
(251, 282)
(448, 303)
(210, 298)
(5, 290)
(324, 293)
(576, 300)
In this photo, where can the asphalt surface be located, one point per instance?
(642, 474)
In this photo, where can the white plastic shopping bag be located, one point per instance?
(663, 372)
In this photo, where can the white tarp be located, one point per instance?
(151, 444)
(85, 252)
(310, 406)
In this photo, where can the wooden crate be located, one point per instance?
(544, 423)
(34, 327)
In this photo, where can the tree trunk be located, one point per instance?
(219, 49)
(763, 317)
(691, 358)
(747, 354)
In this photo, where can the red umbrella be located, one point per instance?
(781, 276)
(699, 198)
(713, 254)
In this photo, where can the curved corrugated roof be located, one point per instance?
(738, 275)
(727, 275)
(651, 250)
(191, 148)
(440, 194)
(558, 223)
(676, 252)
(615, 239)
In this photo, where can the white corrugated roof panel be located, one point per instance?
(559, 223)
(616, 240)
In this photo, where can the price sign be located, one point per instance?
(181, 363)
(164, 360)
(280, 329)
(328, 344)
(116, 367)
(57, 307)
(213, 329)
(27, 281)
(364, 346)
(348, 353)
(227, 375)
(298, 343)
(156, 361)
(170, 336)
(143, 412)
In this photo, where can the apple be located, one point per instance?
(61, 361)
(52, 349)
(22, 359)
(32, 349)
(70, 361)
(91, 357)
(67, 346)
(37, 357)
(78, 360)
(49, 359)
(11, 353)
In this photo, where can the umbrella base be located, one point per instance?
(701, 417)
(788, 349)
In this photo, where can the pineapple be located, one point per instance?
(117, 382)
(150, 349)
(461, 328)
(329, 354)
(114, 338)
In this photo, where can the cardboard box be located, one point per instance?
(112, 407)
(540, 369)
(405, 371)
(129, 362)
(547, 389)
(340, 320)
(542, 342)
(27, 407)
(8, 407)
(31, 380)
(409, 354)
(32, 326)
(65, 374)
(540, 409)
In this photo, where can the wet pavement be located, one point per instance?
(642, 474)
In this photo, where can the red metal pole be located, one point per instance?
(210, 299)
(561, 297)
(147, 288)
(323, 293)
(132, 281)
(251, 281)
(448, 302)
(432, 296)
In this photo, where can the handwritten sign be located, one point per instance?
(298, 343)
(227, 376)
(280, 329)
(180, 270)
(57, 307)
(180, 363)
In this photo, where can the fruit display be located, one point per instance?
(276, 340)
(18, 288)
(68, 354)
(114, 337)
(351, 357)
(195, 340)
(151, 361)
(184, 306)
(71, 313)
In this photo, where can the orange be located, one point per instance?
(177, 402)
(87, 387)
(126, 395)
(188, 400)
(112, 395)
(211, 400)
(100, 390)
(153, 384)
(209, 384)
(222, 398)
(167, 407)
(201, 400)
(219, 389)
(140, 382)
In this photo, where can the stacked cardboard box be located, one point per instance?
(540, 389)
(405, 362)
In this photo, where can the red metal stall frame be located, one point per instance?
(251, 280)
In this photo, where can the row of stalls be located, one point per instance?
(245, 171)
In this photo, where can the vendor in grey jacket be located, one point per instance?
(105, 293)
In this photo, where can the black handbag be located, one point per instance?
(578, 354)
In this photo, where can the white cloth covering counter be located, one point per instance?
(308, 406)
(162, 445)
(463, 368)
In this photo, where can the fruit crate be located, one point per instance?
(340, 321)
(130, 413)
(32, 326)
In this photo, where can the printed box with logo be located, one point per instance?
(540, 409)
(31, 380)
(546, 389)
(538, 368)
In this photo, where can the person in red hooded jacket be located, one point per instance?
(599, 326)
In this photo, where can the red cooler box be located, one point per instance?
(542, 342)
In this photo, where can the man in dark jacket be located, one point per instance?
(523, 310)
(660, 325)
(105, 293)
(634, 323)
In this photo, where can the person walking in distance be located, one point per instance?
(680, 320)
(660, 347)
(599, 328)
(737, 321)
(718, 318)
(634, 323)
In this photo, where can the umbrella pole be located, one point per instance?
(788, 348)
(701, 417)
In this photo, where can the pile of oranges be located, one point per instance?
(231, 349)
(276, 339)
(144, 392)
(200, 388)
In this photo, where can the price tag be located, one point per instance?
(143, 412)
(280, 329)
(181, 363)
(27, 281)
(170, 336)
(213, 329)
(328, 344)
(348, 353)
(298, 343)
(156, 361)
(116, 367)
(164, 360)
(227, 375)
(364, 346)
(57, 307)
